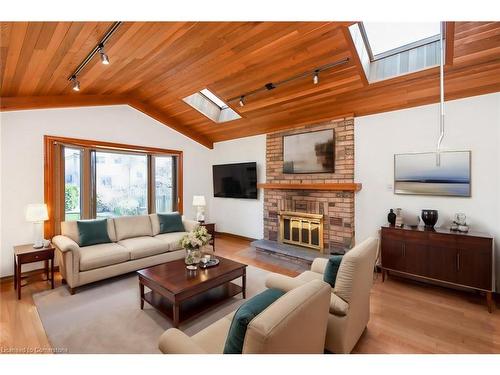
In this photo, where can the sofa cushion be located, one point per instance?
(106, 254)
(331, 269)
(170, 222)
(172, 239)
(70, 230)
(155, 224)
(244, 315)
(93, 232)
(132, 226)
(141, 247)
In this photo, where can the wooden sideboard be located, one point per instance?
(462, 259)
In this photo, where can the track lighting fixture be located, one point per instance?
(273, 85)
(99, 48)
(104, 57)
(76, 83)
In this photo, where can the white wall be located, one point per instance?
(244, 217)
(471, 124)
(21, 148)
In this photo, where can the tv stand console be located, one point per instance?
(451, 258)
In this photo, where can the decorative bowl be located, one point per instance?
(430, 218)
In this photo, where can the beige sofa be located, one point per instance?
(295, 323)
(136, 243)
(349, 300)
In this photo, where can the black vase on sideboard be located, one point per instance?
(391, 217)
(430, 218)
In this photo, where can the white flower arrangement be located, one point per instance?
(195, 239)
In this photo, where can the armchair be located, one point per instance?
(295, 323)
(349, 310)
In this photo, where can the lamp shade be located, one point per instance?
(37, 212)
(199, 200)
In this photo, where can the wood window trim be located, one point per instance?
(53, 179)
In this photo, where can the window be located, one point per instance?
(386, 37)
(72, 184)
(122, 186)
(164, 183)
(91, 179)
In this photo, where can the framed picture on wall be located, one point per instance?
(422, 174)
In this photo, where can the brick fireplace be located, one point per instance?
(335, 205)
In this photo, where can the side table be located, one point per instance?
(24, 254)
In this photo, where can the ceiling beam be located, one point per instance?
(160, 116)
(8, 104)
(450, 42)
(355, 55)
(60, 101)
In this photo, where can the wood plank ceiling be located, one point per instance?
(155, 65)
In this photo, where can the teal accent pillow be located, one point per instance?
(331, 269)
(93, 232)
(244, 315)
(171, 222)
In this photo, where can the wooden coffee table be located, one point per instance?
(180, 294)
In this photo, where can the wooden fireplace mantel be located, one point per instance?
(335, 187)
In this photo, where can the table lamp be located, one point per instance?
(37, 213)
(199, 203)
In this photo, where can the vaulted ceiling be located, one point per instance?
(155, 65)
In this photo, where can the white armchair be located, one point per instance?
(350, 299)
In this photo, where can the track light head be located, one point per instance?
(316, 77)
(76, 83)
(242, 101)
(104, 57)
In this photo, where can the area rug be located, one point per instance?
(105, 317)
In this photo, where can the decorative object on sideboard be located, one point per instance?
(460, 223)
(192, 243)
(37, 213)
(391, 217)
(399, 218)
(200, 203)
(412, 221)
(430, 218)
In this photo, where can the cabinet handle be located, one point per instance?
(458, 261)
(404, 249)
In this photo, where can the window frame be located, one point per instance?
(54, 175)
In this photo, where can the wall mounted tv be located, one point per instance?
(312, 152)
(235, 180)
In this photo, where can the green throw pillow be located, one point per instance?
(171, 222)
(93, 232)
(244, 315)
(331, 269)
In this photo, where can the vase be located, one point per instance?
(391, 217)
(399, 217)
(430, 218)
(192, 258)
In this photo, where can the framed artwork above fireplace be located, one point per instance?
(311, 152)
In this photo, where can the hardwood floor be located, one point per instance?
(406, 316)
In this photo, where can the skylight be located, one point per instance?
(210, 95)
(211, 106)
(387, 36)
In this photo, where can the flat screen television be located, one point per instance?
(312, 152)
(235, 180)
